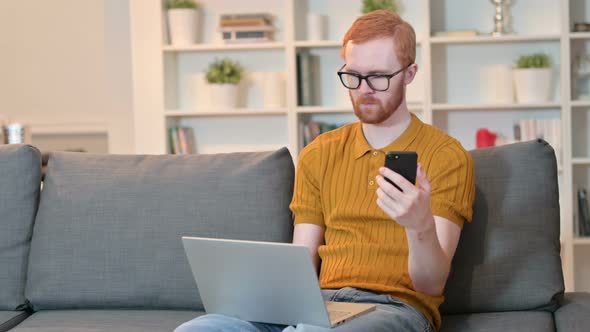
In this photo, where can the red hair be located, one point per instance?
(384, 24)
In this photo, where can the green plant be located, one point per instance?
(538, 60)
(181, 4)
(224, 71)
(371, 5)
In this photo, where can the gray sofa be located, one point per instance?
(99, 248)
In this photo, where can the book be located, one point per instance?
(583, 213)
(173, 135)
(305, 79)
(313, 129)
(182, 141)
(247, 34)
(190, 140)
(457, 33)
(243, 23)
(246, 16)
(245, 20)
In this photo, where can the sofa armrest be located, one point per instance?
(574, 313)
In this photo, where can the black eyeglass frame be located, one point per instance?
(366, 78)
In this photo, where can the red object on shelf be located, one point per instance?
(485, 138)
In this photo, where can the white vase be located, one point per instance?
(182, 25)
(497, 84)
(315, 27)
(201, 96)
(224, 96)
(273, 90)
(533, 85)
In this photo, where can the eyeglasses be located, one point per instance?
(377, 82)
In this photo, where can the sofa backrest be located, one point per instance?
(20, 180)
(508, 257)
(108, 232)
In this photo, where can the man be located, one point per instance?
(373, 242)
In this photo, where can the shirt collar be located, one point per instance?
(361, 146)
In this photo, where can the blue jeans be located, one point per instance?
(390, 315)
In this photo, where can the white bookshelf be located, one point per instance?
(495, 40)
(447, 94)
(488, 107)
(228, 112)
(318, 44)
(223, 47)
(580, 35)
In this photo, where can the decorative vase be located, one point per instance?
(315, 27)
(533, 85)
(484, 138)
(182, 25)
(273, 90)
(201, 96)
(497, 84)
(502, 24)
(224, 96)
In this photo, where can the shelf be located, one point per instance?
(489, 39)
(580, 35)
(581, 103)
(322, 109)
(581, 161)
(230, 112)
(582, 240)
(69, 129)
(324, 43)
(224, 47)
(343, 109)
(318, 43)
(493, 107)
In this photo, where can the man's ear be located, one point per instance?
(411, 72)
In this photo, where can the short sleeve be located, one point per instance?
(452, 180)
(306, 204)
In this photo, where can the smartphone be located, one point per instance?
(403, 163)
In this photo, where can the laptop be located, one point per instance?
(263, 282)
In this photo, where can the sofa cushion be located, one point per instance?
(532, 321)
(508, 258)
(573, 314)
(108, 232)
(10, 319)
(20, 181)
(105, 321)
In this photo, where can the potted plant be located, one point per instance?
(372, 5)
(223, 77)
(182, 21)
(532, 78)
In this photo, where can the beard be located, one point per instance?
(379, 112)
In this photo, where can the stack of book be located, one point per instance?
(182, 140)
(583, 213)
(246, 28)
(547, 129)
(313, 129)
(457, 33)
(307, 81)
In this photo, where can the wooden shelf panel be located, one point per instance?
(223, 47)
(229, 112)
(487, 107)
(490, 39)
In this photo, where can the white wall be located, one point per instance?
(56, 58)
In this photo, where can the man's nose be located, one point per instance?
(364, 88)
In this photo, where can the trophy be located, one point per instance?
(501, 19)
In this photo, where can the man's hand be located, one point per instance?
(431, 243)
(410, 208)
